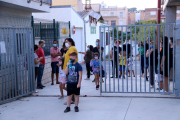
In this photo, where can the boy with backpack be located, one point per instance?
(74, 72)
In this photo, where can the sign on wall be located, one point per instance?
(93, 30)
(64, 31)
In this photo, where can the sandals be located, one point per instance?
(52, 83)
(61, 97)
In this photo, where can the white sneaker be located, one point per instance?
(161, 90)
(152, 86)
(87, 79)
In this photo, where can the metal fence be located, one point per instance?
(153, 55)
(17, 63)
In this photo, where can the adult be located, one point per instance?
(164, 62)
(98, 50)
(64, 49)
(88, 58)
(36, 61)
(153, 60)
(69, 43)
(54, 51)
(115, 58)
(141, 52)
(171, 52)
(128, 46)
(40, 54)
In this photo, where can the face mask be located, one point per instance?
(151, 46)
(87, 48)
(160, 45)
(60, 63)
(169, 42)
(95, 58)
(72, 60)
(43, 45)
(55, 45)
(67, 45)
(97, 43)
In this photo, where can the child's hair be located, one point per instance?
(73, 54)
(62, 59)
(96, 54)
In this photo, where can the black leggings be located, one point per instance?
(88, 69)
(36, 72)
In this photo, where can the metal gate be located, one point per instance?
(158, 62)
(17, 77)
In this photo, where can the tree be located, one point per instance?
(132, 9)
(119, 35)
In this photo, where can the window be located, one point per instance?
(162, 13)
(112, 14)
(93, 30)
(121, 14)
(162, 20)
(113, 23)
(105, 14)
(120, 22)
(105, 22)
(178, 11)
(152, 13)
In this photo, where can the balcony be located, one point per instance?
(27, 5)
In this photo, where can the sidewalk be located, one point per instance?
(92, 108)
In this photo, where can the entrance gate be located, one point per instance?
(141, 38)
(17, 77)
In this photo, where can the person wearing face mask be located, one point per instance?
(88, 58)
(115, 58)
(40, 53)
(98, 50)
(54, 51)
(64, 49)
(150, 54)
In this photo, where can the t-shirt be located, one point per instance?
(142, 50)
(88, 56)
(63, 51)
(166, 60)
(54, 51)
(35, 56)
(40, 53)
(115, 52)
(67, 58)
(147, 46)
(61, 72)
(96, 50)
(152, 58)
(130, 61)
(73, 76)
(124, 60)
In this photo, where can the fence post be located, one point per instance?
(69, 29)
(32, 25)
(54, 27)
(177, 57)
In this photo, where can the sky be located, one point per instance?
(139, 4)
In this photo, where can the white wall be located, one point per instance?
(65, 15)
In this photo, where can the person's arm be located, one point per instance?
(164, 57)
(67, 70)
(147, 53)
(80, 79)
(111, 54)
(37, 61)
(82, 53)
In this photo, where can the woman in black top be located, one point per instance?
(64, 48)
(164, 62)
(88, 58)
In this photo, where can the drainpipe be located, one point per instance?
(85, 34)
(158, 19)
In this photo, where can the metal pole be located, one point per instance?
(69, 29)
(32, 25)
(85, 34)
(54, 27)
(158, 18)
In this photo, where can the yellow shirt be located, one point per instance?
(67, 58)
(124, 60)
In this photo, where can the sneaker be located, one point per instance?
(102, 80)
(67, 110)
(134, 76)
(39, 87)
(152, 86)
(119, 76)
(76, 109)
(124, 77)
(158, 88)
(87, 79)
(147, 79)
(112, 77)
(93, 80)
(161, 90)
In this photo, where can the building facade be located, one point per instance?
(76, 4)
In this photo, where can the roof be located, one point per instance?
(91, 13)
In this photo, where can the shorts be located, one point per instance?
(129, 68)
(72, 89)
(55, 68)
(96, 70)
(62, 80)
(122, 68)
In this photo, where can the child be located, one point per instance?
(74, 72)
(62, 77)
(130, 65)
(122, 65)
(95, 63)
